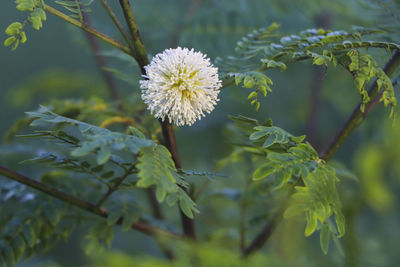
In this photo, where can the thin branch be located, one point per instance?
(88, 29)
(115, 20)
(101, 63)
(323, 20)
(357, 116)
(141, 55)
(170, 142)
(113, 188)
(168, 132)
(265, 233)
(77, 202)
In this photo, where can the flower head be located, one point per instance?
(180, 84)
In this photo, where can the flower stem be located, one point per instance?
(88, 29)
(168, 131)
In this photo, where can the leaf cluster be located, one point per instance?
(96, 151)
(265, 49)
(35, 18)
(286, 161)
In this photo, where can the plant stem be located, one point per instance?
(169, 136)
(357, 116)
(113, 188)
(265, 233)
(102, 64)
(115, 20)
(77, 202)
(140, 51)
(88, 29)
(354, 120)
(323, 20)
(168, 131)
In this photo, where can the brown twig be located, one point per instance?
(77, 202)
(170, 142)
(88, 29)
(264, 234)
(357, 116)
(101, 63)
(323, 20)
(116, 22)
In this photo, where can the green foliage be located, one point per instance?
(187, 255)
(36, 226)
(96, 151)
(318, 199)
(76, 7)
(363, 67)
(35, 18)
(17, 35)
(256, 80)
(286, 161)
(98, 237)
(265, 49)
(157, 168)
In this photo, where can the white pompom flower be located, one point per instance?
(180, 84)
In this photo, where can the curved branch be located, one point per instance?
(357, 116)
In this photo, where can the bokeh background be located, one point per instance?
(57, 63)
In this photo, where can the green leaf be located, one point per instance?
(18, 245)
(29, 235)
(36, 18)
(25, 5)
(312, 222)
(114, 215)
(14, 28)
(324, 238)
(104, 155)
(9, 41)
(264, 171)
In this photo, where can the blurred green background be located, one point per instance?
(56, 62)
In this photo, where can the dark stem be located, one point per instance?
(170, 142)
(315, 103)
(140, 51)
(113, 188)
(101, 63)
(168, 132)
(322, 20)
(357, 116)
(265, 233)
(77, 202)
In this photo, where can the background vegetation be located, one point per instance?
(56, 68)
